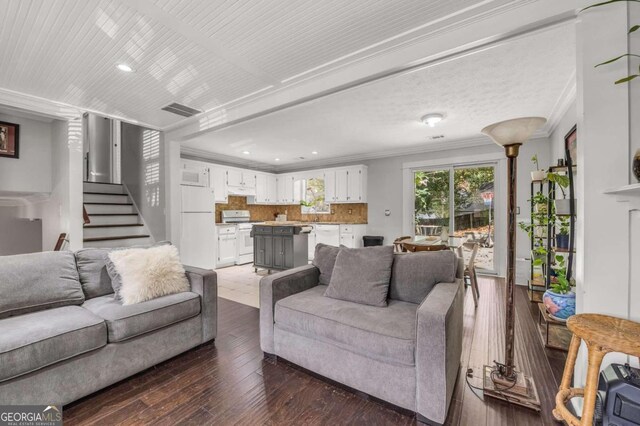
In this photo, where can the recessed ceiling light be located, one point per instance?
(246, 152)
(314, 152)
(432, 119)
(276, 159)
(124, 67)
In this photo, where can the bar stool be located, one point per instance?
(602, 334)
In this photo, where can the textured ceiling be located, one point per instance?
(522, 77)
(202, 53)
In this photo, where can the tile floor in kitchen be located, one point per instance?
(240, 284)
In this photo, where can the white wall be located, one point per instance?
(18, 235)
(32, 171)
(608, 279)
(143, 173)
(62, 211)
(564, 126)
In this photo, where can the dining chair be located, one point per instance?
(397, 243)
(470, 273)
(412, 248)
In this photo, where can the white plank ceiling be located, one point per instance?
(527, 76)
(201, 53)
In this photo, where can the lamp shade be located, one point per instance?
(515, 131)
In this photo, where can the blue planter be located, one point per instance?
(562, 241)
(560, 306)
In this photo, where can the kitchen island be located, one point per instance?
(280, 245)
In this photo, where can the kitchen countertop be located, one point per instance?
(299, 223)
(293, 223)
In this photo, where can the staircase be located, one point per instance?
(113, 219)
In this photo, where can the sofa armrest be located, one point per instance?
(439, 331)
(278, 286)
(205, 283)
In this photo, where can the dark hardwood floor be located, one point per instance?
(231, 383)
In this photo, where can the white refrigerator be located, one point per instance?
(197, 227)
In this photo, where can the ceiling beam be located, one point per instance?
(145, 7)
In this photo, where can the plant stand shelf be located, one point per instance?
(553, 333)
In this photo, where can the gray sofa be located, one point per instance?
(63, 336)
(406, 353)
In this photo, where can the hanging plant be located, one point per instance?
(631, 30)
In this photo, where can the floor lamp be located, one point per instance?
(503, 381)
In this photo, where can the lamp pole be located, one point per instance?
(512, 206)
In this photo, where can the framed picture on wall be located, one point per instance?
(571, 145)
(9, 139)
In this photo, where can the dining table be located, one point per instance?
(453, 243)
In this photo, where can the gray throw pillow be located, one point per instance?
(93, 272)
(414, 274)
(362, 275)
(324, 259)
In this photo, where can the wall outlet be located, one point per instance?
(387, 212)
(350, 211)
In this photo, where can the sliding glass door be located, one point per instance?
(460, 201)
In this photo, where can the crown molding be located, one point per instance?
(7, 199)
(226, 160)
(197, 154)
(566, 99)
(54, 109)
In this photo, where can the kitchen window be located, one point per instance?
(313, 197)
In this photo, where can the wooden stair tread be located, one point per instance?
(113, 225)
(102, 183)
(113, 214)
(104, 193)
(109, 204)
(116, 237)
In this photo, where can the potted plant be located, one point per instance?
(537, 174)
(540, 203)
(562, 205)
(560, 299)
(562, 237)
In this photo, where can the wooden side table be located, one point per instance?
(602, 334)
(558, 329)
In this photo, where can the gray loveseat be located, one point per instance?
(63, 336)
(407, 353)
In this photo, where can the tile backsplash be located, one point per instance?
(340, 213)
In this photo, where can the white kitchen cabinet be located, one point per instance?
(356, 185)
(261, 189)
(346, 184)
(347, 240)
(351, 235)
(241, 178)
(330, 186)
(285, 189)
(272, 192)
(218, 181)
(227, 249)
(234, 177)
(342, 186)
(266, 191)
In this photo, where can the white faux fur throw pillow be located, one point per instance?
(147, 273)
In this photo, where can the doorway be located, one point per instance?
(458, 200)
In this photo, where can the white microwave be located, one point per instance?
(195, 177)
